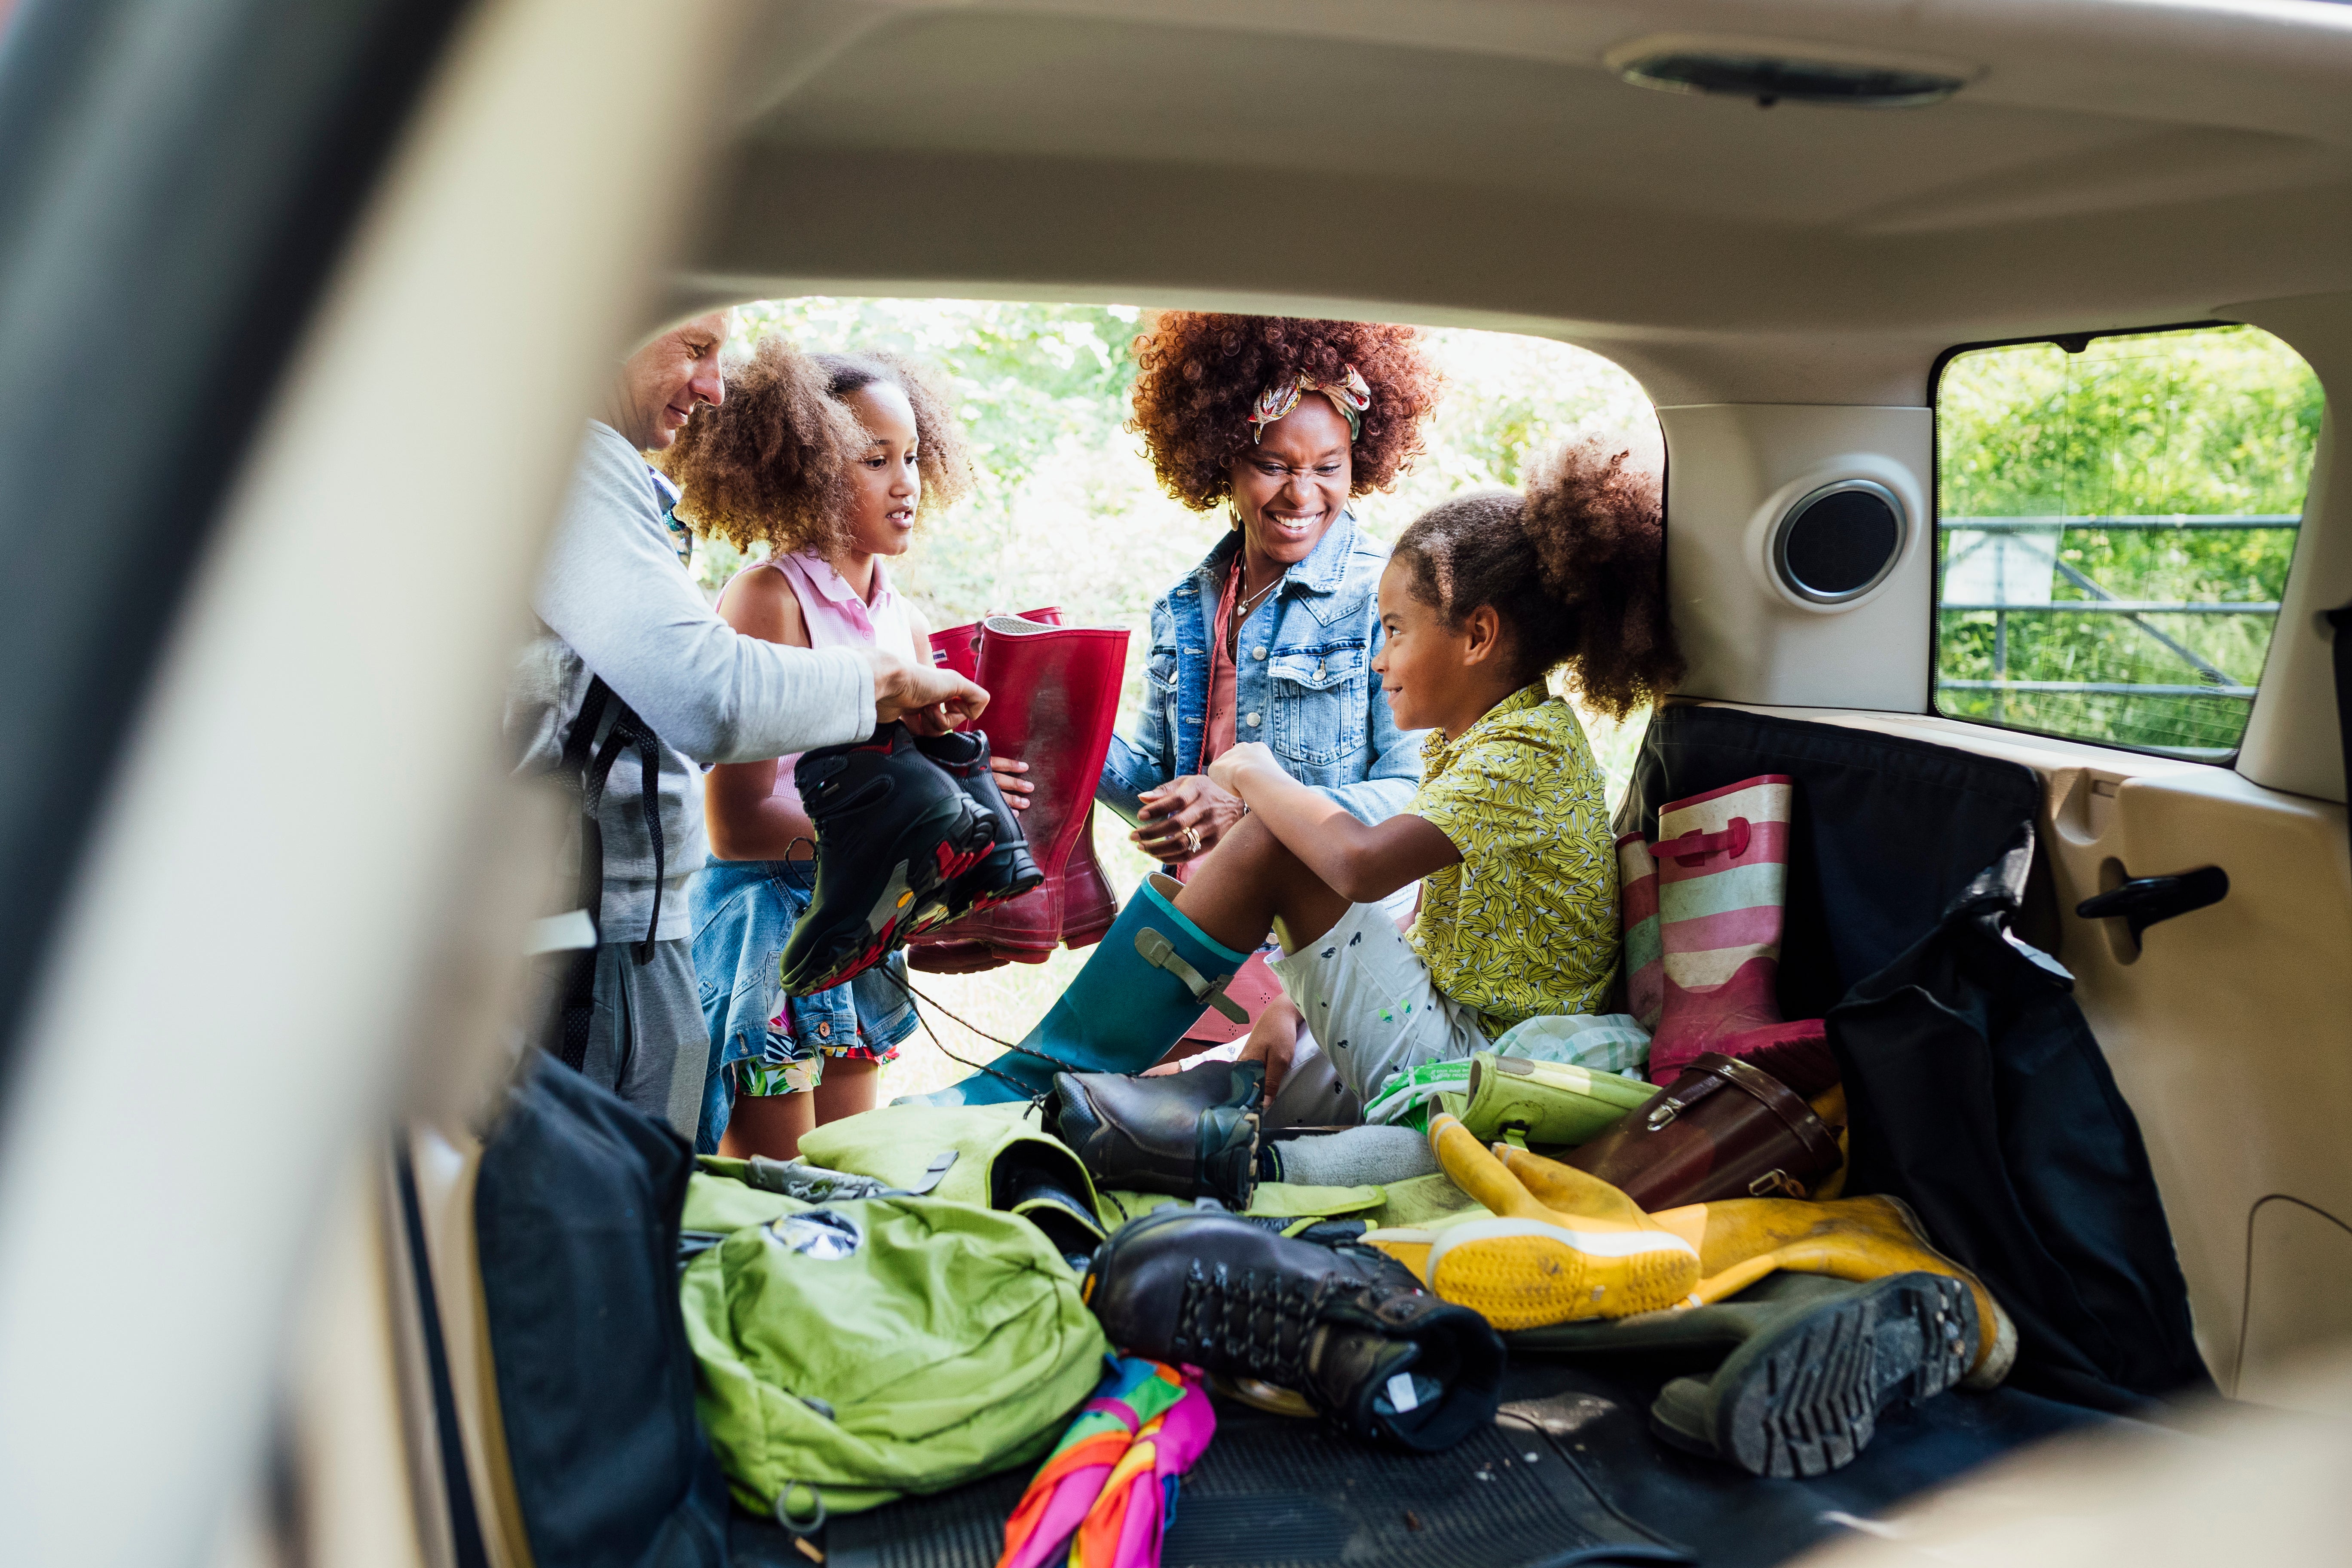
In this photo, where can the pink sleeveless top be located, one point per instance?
(836, 616)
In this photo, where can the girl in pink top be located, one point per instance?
(829, 461)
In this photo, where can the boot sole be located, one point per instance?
(1805, 1398)
(960, 839)
(1525, 1274)
(1028, 883)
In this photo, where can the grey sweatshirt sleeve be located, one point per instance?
(612, 589)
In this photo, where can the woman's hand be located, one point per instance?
(1184, 819)
(1016, 789)
(1226, 771)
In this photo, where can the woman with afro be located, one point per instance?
(1271, 640)
(829, 461)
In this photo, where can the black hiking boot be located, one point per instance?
(892, 831)
(1816, 1360)
(1007, 871)
(1186, 1134)
(1346, 1328)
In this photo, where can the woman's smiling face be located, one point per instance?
(1291, 487)
(885, 484)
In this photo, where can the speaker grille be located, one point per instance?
(1838, 543)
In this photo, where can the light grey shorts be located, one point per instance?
(1370, 1003)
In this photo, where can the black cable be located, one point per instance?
(1047, 1056)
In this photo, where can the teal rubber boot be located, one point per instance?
(1142, 987)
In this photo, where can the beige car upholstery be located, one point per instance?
(2243, 1486)
(1477, 162)
(444, 1165)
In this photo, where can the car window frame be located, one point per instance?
(1935, 524)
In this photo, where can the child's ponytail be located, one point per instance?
(1574, 566)
(1598, 526)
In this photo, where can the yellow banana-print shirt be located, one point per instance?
(1527, 924)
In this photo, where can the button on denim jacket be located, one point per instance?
(1303, 683)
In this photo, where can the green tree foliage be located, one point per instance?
(2212, 422)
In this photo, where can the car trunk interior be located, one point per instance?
(1782, 279)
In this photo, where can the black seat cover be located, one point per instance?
(1886, 830)
(1975, 1090)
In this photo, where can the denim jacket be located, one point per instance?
(1303, 684)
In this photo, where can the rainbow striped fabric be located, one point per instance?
(1105, 1496)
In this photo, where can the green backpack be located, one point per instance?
(991, 1155)
(858, 1351)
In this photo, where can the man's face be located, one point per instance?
(661, 382)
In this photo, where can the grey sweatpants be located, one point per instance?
(647, 1040)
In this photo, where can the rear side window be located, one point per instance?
(2115, 520)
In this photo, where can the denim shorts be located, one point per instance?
(762, 1041)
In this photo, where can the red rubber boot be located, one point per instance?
(1088, 906)
(1053, 701)
(958, 648)
(941, 949)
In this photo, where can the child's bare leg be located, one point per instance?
(1273, 1041)
(847, 1089)
(1251, 884)
(769, 1125)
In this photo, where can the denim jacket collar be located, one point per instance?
(1319, 573)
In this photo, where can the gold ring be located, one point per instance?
(1192, 839)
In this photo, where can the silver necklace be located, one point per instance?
(1247, 607)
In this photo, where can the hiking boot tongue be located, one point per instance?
(1364, 1379)
(1418, 1372)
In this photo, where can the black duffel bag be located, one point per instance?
(1977, 1095)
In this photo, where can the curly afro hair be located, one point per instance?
(1574, 566)
(1197, 374)
(771, 465)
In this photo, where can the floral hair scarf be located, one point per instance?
(1349, 395)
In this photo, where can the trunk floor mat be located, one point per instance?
(1272, 1493)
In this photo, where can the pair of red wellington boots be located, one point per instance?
(1052, 703)
(1703, 910)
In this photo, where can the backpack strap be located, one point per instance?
(586, 766)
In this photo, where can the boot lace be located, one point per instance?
(1258, 1325)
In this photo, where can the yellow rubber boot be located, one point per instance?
(1533, 1263)
(1568, 1190)
(1741, 1241)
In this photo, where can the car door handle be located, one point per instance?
(2144, 900)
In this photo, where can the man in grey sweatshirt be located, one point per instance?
(614, 602)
